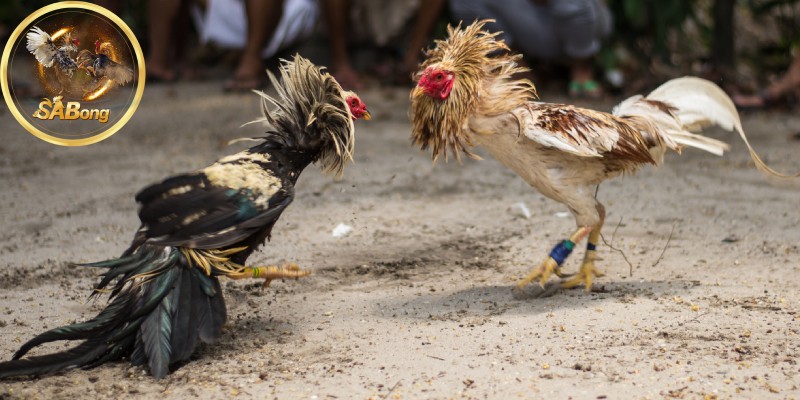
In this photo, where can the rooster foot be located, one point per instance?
(542, 272)
(584, 276)
(271, 272)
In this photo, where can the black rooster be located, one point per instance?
(101, 65)
(202, 225)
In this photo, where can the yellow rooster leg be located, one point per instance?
(588, 270)
(557, 256)
(269, 273)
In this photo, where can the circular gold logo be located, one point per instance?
(89, 66)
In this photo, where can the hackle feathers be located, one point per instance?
(310, 114)
(483, 69)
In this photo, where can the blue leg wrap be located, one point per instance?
(590, 246)
(562, 251)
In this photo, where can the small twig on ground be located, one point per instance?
(664, 250)
(386, 396)
(436, 358)
(630, 266)
(614, 234)
(697, 318)
(467, 384)
(611, 246)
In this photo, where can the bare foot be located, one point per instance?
(749, 101)
(249, 75)
(347, 77)
(242, 84)
(158, 73)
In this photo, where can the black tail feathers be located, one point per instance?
(159, 307)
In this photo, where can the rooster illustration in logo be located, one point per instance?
(100, 64)
(48, 53)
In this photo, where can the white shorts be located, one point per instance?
(224, 23)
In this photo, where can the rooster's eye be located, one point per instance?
(439, 76)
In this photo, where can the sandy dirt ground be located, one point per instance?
(417, 301)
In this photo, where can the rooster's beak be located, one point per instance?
(367, 115)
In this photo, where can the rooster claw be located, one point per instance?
(542, 273)
(584, 277)
(563, 275)
(271, 272)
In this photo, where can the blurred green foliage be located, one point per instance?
(786, 18)
(760, 7)
(784, 15)
(645, 24)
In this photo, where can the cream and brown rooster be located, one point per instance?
(466, 95)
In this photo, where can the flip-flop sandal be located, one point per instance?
(591, 89)
(575, 89)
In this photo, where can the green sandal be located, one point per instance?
(574, 89)
(588, 89)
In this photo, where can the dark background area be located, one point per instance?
(742, 45)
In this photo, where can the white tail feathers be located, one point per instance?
(695, 103)
(41, 46)
(663, 127)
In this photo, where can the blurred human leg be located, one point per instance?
(262, 19)
(580, 26)
(570, 30)
(161, 14)
(788, 83)
(523, 25)
(336, 19)
(428, 13)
